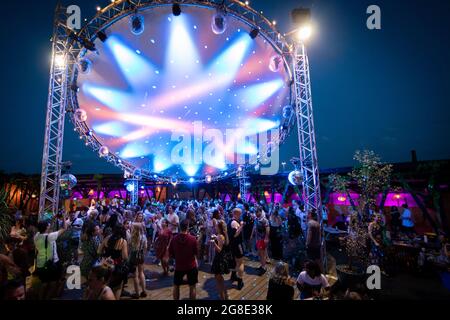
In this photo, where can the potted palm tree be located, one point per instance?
(370, 177)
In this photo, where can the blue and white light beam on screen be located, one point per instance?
(258, 125)
(228, 63)
(146, 93)
(247, 148)
(256, 94)
(113, 129)
(182, 58)
(137, 70)
(161, 163)
(135, 150)
(191, 170)
(115, 99)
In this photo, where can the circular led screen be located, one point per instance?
(178, 95)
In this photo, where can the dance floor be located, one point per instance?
(160, 287)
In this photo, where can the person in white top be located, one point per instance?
(173, 219)
(301, 214)
(48, 268)
(311, 281)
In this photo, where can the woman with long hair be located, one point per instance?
(162, 246)
(220, 265)
(137, 257)
(275, 235)
(115, 249)
(18, 232)
(90, 241)
(280, 284)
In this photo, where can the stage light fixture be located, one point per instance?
(302, 20)
(137, 24)
(219, 22)
(74, 87)
(191, 180)
(254, 33)
(84, 65)
(89, 45)
(102, 36)
(301, 16)
(176, 9)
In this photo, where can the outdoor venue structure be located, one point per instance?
(139, 69)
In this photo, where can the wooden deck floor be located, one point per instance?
(160, 287)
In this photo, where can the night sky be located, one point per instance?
(387, 90)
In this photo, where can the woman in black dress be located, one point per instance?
(220, 265)
(115, 249)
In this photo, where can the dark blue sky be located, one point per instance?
(386, 90)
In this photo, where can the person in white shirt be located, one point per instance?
(311, 281)
(174, 220)
(48, 268)
(407, 220)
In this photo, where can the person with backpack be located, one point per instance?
(48, 267)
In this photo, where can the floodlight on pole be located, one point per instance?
(302, 21)
(304, 32)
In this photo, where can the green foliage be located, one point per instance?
(5, 217)
(370, 176)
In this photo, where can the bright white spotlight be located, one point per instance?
(191, 180)
(130, 187)
(60, 61)
(304, 33)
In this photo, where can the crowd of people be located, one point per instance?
(112, 242)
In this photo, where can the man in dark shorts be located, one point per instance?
(183, 248)
(235, 235)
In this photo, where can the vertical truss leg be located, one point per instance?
(243, 183)
(54, 126)
(306, 136)
(134, 193)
